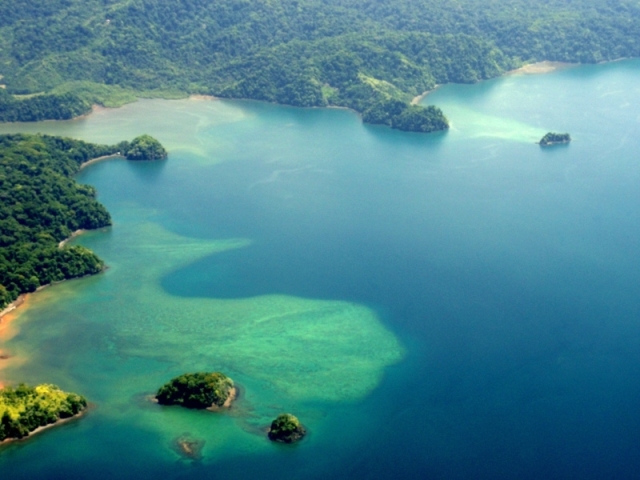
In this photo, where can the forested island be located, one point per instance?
(286, 428)
(198, 390)
(144, 147)
(41, 205)
(24, 409)
(554, 139)
(373, 57)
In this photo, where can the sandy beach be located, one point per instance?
(539, 68)
(75, 234)
(202, 97)
(8, 330)
(227, 403)
(423, 95)
(100, 159)
(9, 314)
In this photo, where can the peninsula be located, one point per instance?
(41, 206)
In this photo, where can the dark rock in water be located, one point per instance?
(552, 138)
(286, 429)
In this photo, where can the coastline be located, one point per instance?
(95, 108)
(233, 395)
(11, 313)
(75, 234)
(199, 97)
(7, 330)
(100, 159)
(60, 421)
(23, 297)
(538, 68)
(417, 99)
(10, 308)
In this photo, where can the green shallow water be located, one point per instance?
(450, 305)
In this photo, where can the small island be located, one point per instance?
(144, 147)
(25, 410)
(212, 390)
(554, 139)
(286, 428)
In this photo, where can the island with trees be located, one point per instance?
(554, 139)
(213, 390)
(41, 205)
(60, 58)
(144, 147)
(24, 409)
(286, 428)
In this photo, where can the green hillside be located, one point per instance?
(298, 52)
(41, 205)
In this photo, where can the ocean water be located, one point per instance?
(456, 305)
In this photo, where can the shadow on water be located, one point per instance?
(147, 172)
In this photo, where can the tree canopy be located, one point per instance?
(298, 52)
(24, 408)
(286, 428)
(144, 147)
(41, 205)
(196, 390)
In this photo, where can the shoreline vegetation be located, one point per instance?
(212, 391)
(533, 68)
(539, 68)
(26, 411)
(60, 421)
(371, 57)
(37, 223)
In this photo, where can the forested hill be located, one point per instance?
(356, 53)
(41, 204)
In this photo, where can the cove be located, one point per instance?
(444, 306)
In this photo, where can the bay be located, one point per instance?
(446, 306)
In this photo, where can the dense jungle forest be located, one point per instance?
(360, 54)
(41, 205)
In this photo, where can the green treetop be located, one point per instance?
(144, 147)
(286, 428)
(24, 408)
(196, 390)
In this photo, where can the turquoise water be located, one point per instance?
(459, 305)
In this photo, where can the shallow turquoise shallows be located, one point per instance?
(456, 305)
